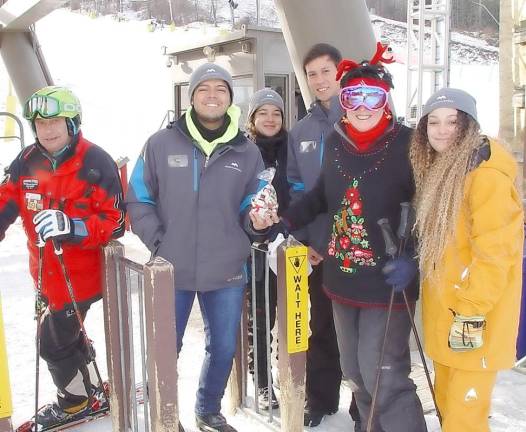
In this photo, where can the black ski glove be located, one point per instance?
(400, 272)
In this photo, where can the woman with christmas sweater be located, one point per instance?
(365, 176)
(470, 231)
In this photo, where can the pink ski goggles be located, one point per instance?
(371, 97)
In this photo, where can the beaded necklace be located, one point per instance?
(384, 150)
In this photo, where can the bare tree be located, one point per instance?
(213, 11)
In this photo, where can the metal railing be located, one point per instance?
(292, 313)
(156, 345)
(20, 128)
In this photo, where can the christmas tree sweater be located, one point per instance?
(356, 190)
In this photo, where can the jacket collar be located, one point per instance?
(331, 115)
(238, 143)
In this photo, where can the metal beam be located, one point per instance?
(24, 62)
(307, 22)
(20, 14)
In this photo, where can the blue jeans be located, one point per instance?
(221, 311)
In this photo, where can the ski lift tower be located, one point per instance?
(428, 37)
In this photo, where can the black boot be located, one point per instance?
(313, 417)
(267, 399)
(213, 423)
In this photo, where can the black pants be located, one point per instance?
(324, 374)
(63, 347)
(260, 326)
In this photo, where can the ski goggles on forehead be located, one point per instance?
(371, 97)
(45, 106)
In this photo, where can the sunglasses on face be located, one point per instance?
(371, 97)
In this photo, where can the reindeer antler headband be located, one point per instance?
(347, 65)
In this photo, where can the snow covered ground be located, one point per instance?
(508, 414)
(119, 74)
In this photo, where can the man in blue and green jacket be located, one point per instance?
(188, 201)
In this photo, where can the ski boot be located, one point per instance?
(52, 415)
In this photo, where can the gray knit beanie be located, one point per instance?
(210, 71)
(452, 98)
(263, 97)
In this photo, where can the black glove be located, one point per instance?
(400, 272)
(278, 228)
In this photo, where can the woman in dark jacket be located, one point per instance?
(265, 128)
(365, 177)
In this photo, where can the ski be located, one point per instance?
(98, 410)
(71, 422)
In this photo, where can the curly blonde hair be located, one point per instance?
(439, 180)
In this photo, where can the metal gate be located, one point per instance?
(154, 283)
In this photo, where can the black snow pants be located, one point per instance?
(63, 347)
(324, 374)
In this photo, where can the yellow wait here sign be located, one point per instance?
(297, 299)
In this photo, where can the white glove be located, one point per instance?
(52, 223)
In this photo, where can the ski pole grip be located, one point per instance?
(57, 246)
(405, 227)
(389, 238)
(40, 241)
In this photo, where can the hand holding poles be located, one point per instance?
(400, 270)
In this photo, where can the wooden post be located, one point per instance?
(115, 303)
(293, 326)
(6, 425)
(237, 382)
(161, 337)
(6, 407)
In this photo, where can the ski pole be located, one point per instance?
(38, 315)
(403, 232)
(390, 249)
(58, 253)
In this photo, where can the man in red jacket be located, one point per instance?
(68, 193)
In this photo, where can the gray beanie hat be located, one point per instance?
(263, 97)
(210, 71)
(452, 98)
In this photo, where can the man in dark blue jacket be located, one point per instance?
(305, 157)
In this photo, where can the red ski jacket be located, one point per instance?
(84, 183)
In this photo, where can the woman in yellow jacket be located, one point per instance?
(469, 223)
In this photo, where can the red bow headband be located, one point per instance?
(347, 65)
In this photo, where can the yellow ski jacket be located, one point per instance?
(481, 270)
